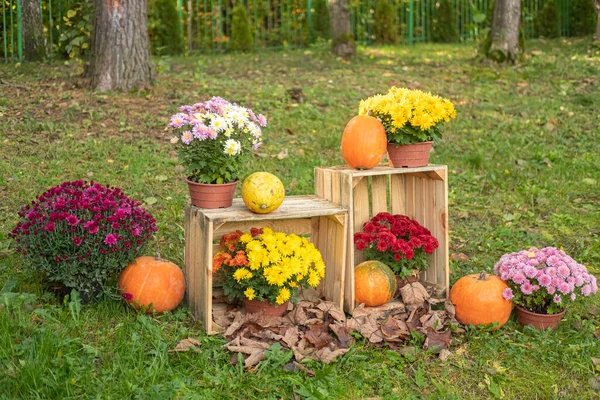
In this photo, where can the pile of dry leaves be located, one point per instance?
(319, 330)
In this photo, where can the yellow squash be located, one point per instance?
(262, 192)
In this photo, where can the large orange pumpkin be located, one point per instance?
(364, 142)
(478, 300)
(374, 283)
(153, 283)
(262, 192)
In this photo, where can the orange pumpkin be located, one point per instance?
(364, 142)
(374, 283)
(154, 283)
(478, 300)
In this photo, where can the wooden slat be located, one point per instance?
(397, 194)
(297, 226)
(347, 201)
(319, 185)
(206, 295)
(386, 170)
(341, 252)
(361, 211)
(188, 256)
(379, 194)
(410, 200)
(441, 213)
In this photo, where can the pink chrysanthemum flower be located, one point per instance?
(507, 294)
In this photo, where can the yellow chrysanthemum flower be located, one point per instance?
(284, 295)
(245, 238)
(250, 293)
(242, 273)
(313, 279)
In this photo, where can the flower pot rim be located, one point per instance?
(410, 144)
(523, 309)
(210, 184)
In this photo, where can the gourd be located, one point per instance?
(153, 283)
(364, 142)
(374, 283)
(478, 300)
(262, 192)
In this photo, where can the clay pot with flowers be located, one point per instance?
(399, 242)
(543, 283)
(266, 269)
(215, 140)
(81, 234)
(412, 120)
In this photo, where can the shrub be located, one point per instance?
(320, 27)
(547, 20)
(74, 39)
(241, 35)
(582, 18)
(384, 27)
(444, 23)
(165, 28)
(80, 234)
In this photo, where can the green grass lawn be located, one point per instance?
(524, 171)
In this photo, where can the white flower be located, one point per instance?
(174, 139)
(197, 118)
(232, 147)
(228, 132)
(219, 124)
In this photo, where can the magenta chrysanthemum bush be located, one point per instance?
(544, 281)
(397, 241)
(80, 234)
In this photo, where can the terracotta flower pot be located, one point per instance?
(409, 155)
(211, 195)
(258, 306)
(538, 321)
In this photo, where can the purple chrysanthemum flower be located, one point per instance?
(262, 120)
(551, 289)
(518, 277)
(545, 280)
(586, 290)
(178, 120)
(256, 146)
(187, 137)
(564, 288)
(551, 271)
(77, 241)
(573, 296)
(72, 220)
(563, 271)
(200, 132)
(530, 271)
(110, 239)
(507, 294)
(557, 299)
(526, 288)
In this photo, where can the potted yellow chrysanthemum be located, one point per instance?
(412, 120)
(266, 269)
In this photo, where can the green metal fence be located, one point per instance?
(280, 23)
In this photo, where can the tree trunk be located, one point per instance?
(504, 33)
(597, 5)
(120, 45)
(341, 29)
(34, 41)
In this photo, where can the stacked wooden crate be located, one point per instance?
(322, 222)
(420, 193)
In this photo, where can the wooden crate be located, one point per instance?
(420, 193)
(322, 222)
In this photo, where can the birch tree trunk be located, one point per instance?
(34, 41)
(341, 29)
(120, 46)
(504, 33)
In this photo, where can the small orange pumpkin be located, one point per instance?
(364, 142)
(153, 283)
(374, 283)
(478, 300)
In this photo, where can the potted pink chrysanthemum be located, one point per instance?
(214, 140)
(542, 284)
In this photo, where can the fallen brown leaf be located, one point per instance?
(318, 335)
(437, 340)
(186, 345)
(414, 294)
